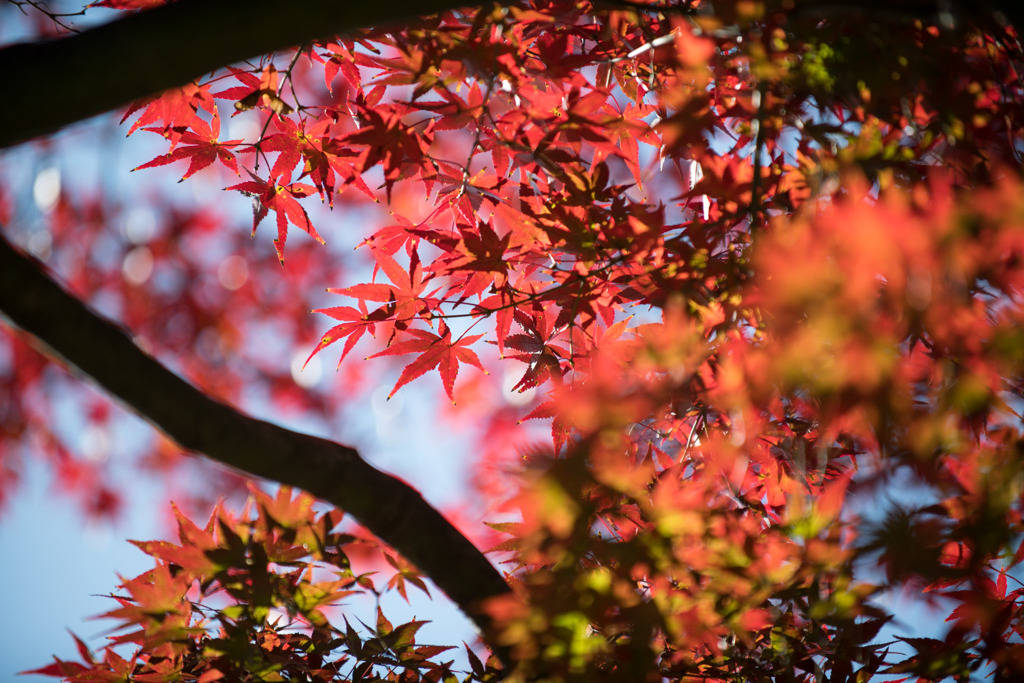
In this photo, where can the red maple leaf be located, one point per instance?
(403, 295)
(283, 199)
(389, 142)
(174, 109)
(201, 146)
(484, 252)
(293, 143)
(436, 351)
(338, 59)
(256, 92)
(355, 323)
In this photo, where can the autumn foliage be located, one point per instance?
(758, 269)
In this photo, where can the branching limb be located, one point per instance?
(51, 84)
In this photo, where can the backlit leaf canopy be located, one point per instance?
(755, 268)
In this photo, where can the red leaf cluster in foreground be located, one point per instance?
(760, 267)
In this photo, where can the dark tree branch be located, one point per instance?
(51, 84)
(389, 508)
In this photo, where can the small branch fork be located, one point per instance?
(56, 17)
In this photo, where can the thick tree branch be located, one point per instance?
(383, 504)
(51, 84)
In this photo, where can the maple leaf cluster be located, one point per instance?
(244, 596)
(756, 268)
